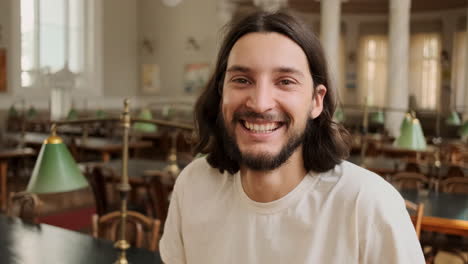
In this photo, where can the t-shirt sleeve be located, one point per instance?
(171, 245)
(387, 234)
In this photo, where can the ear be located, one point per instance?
(317, 101)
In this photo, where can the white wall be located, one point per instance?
(119, 41)
(168, 29)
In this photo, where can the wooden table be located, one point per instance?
(5, 156)
(138, 169)
(383, 166)
(390, 150)
(107, 147)
(443, 212)
(22, 243)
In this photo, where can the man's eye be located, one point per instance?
(241, 80)
(286, 82)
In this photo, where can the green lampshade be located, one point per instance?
(55, 170)
(101, 114)
(12, 112)
(339, 116)
(72, 114)
(464, 130)
(32, 113)
(145, 127)
(377, 117)
(407, 120)
(453, 119)
(411, 135)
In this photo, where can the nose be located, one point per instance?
(261, 97)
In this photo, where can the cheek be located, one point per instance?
(229, 103)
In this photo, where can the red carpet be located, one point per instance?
(77, 219)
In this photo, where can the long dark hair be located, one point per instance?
(324, 146)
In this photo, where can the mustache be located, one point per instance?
(267, 116)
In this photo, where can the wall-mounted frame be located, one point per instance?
(151, 80)
(196, 77)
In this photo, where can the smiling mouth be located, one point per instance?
(261, 128)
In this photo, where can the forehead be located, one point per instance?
(263, 51)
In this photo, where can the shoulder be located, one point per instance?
(366, 189)
(200, 176)
(376, 201)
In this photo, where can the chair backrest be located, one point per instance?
(141, 231)
(26, 206)
(99, 177)
(457, 185)
(454, 171)
(412, 167)
(409, 180)
(417, 216)
(158, 193)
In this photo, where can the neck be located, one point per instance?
(268, 186)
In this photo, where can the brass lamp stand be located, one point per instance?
(124, 188)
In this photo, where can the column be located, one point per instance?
(350, 93)
(448, 93)
(330, 17)
(465, 105)
(398, 60)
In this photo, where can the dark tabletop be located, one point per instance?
(398, 164)
(442, 205)
(36, 244)
(16, 152)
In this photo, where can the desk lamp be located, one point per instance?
(339, 116)
(411, 134)
(145, 127)
(32, 113)
(100, 113)
(464, 130)
(453, 119)
(72, 114)
(55, 170)
(377, 117)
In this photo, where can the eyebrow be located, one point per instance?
(244, 69)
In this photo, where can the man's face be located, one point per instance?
(267, 99)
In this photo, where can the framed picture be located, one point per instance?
(195, 77)
(3, 71)
(151, 80)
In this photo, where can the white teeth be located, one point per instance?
(263, 128)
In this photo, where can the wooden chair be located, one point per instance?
(458, 185)
(412, 167)
(26, 206)
(454, 171)
(417, 216)
(141, 230)
(99, 178)
(158, 194)
(409, 180)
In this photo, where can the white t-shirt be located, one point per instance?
(346, 215)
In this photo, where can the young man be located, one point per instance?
(274, 187)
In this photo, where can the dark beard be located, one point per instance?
(263, 161)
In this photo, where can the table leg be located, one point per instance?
(3, 184)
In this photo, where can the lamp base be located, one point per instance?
(123, 245)
(121, 260)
